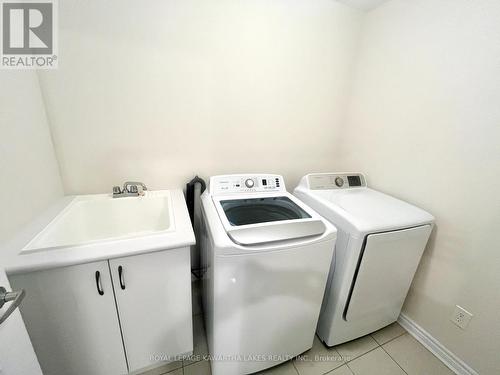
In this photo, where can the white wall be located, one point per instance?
(162, 91)
(424, 124)
(30, 182)
(29, 172)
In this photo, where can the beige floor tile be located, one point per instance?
(388, 333)
(283, 369)
(200, 345)
(375, 362)
(163, 369)
(198, 368)
(319, 360)
(414, 358)
(353, 349)
(342, 370)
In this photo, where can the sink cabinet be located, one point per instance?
(109, 317)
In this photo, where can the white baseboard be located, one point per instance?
(439, 350)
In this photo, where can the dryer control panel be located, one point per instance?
(328, 181)
(251, 183)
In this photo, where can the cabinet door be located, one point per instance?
(153, 297)
(73, 328)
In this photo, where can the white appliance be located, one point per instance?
(380, 242)
(266, 258)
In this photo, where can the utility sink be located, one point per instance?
(93, 218)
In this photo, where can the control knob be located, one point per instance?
(339, 181)
(249, 183)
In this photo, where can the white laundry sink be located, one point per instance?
(91, 218)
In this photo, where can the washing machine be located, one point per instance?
(380, 241)
(265, 262)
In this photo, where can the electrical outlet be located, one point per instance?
(461, 317)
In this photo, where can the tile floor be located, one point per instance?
(389, 351)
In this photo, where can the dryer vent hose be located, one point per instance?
(192, 188)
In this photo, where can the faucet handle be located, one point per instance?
(140, 190)
(129, 185)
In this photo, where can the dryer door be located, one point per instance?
(384, 274)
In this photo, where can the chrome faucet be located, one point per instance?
(130, 189)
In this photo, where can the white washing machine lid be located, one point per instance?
(262, 218)
(363, 209)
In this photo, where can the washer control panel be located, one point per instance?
(327, 181)
(252, 183)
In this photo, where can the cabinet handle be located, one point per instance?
(98, 283)
(120, 276)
